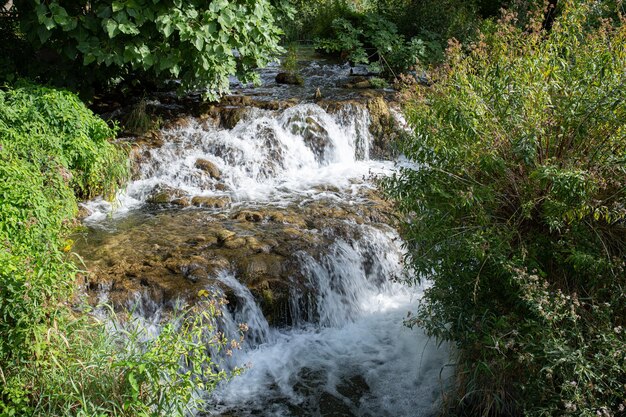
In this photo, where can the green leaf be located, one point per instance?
(44, 34)
(199, 43)
(111, 27)
(88, 59)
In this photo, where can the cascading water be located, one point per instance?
(299, 192)
(266, 157)
(354, 358)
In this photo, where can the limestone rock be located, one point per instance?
(163, 194)
(210, 202)
(208, 167)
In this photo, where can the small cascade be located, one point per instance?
(279, 214)
(269, 156)
(348, 353)
(247, 312)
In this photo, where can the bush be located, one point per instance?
(84, 43)
(59, 361)
(107, 368)
(314, 18)
(370, 38)
(51, 149)
(516, 210)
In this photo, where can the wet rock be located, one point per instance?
(182, 122)
(354, 388)
(210, 202)
(286, 218)
(234, 243)
(208, 167)
(173, 254)
(289, 78)
(362, 71)
(195, 272)
(365, 84)
(256, 246)
(83, 212)
(249, 216)
(382, 127)
(316, 137)
(230, 116)
(225, 234)
(151, 139)
(163, 194)
(182, 202)
(331, 406)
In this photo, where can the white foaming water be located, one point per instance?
(356, 331)
(346, 353)
(265, 157)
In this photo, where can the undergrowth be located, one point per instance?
(56, 360)
(517, 212)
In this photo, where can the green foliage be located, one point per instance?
(516, 210)
(55, 361)
(201, 43)
(376, 82)
(120, 368)
(51, 148)
(314, 18)
(372, 38)
(437, 19)
(290, 62)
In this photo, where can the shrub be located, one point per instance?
(59, 361)
(120, 367)
(370, 38)
(84, 43)
(51, 149)
(516, 210)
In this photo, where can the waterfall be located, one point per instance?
(343, 351)
(268, 156)
(350, 350)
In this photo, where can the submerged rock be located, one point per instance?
(163, 194)
(176, 253)
(289, 78)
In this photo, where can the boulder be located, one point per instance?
(208, 167)
(230, 116)
(164, 194)
(360, 85)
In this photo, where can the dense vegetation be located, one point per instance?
(393, 35)
(54, 361)
(516, 208)
(87, 44)
(517, 211)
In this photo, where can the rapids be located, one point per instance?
(286, 223)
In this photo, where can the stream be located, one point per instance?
(270, 199)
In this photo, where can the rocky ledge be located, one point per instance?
(174, 254)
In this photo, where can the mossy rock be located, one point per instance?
(289, 78)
